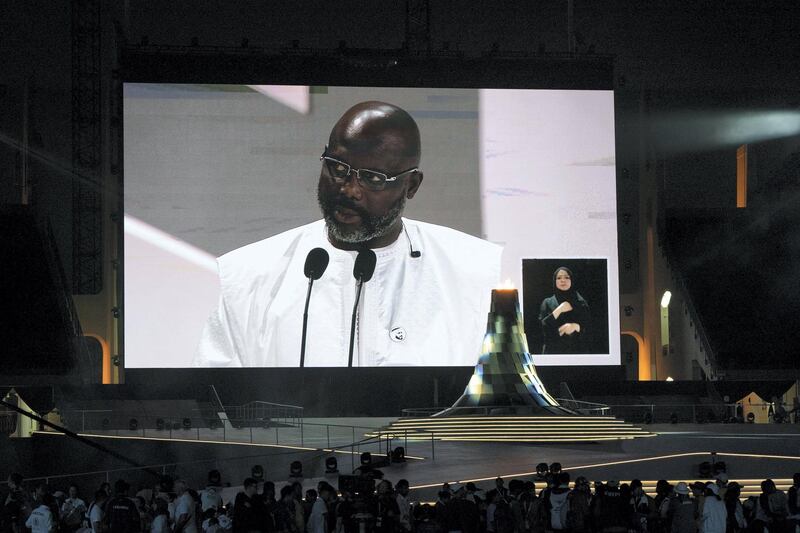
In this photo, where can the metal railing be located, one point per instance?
(585, 408)
(259, 412)
(302, 435)
(378, 446)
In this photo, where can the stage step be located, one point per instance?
(538, 429)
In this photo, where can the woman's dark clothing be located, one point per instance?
(553, 343)
(564, 344)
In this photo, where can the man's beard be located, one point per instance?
(372, 227)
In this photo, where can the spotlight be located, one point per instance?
(542, 470)
(296, 469)
(366, 459)
(187, 423)
(257, 472)
(331, 465)
(399, 455)
(133, 424)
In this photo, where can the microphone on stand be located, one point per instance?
(362, 271)
(316, 263)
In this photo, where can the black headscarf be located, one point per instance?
(570, 295)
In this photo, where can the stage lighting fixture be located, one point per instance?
(751, 418)
(669, 378)
(366, 459)
(257, 472)
(133, 424)
(296, 469)
(542, 470)
(665, 299)
(331, 465)
(187, 423)
(399, 455)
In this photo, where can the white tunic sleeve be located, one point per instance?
(217, 346)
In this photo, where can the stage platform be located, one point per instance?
(752, 453)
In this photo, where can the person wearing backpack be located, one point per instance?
(72, 510)
(642, 508)
(556, 503)
(579, 501)
(121, 514)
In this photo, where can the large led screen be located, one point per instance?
(225, 187)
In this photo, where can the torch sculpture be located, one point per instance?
(505, 379)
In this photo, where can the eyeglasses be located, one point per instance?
(373, 180)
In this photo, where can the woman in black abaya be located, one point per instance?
(564, 317)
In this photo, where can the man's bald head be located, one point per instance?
(379, 128)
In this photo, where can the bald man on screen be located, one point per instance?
(426, 303)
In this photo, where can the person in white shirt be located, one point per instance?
(211, 496)
(403, 504)
(73, 509)
(426, 303)
(185, 508)
(715, 515)
(41, 519)
(95, 513)
(318, 520)
(161, 519)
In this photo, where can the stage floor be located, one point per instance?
(751, 452)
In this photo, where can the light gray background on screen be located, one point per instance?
(222, 166)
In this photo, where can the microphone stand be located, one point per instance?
(305, 324)
(353, 322)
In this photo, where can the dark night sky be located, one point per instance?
(692, 57)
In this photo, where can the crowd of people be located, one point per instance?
(558, 505)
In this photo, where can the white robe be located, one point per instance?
(424, 311)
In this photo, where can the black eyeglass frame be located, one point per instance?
(364, 183)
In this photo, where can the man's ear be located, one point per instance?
(414, 181)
